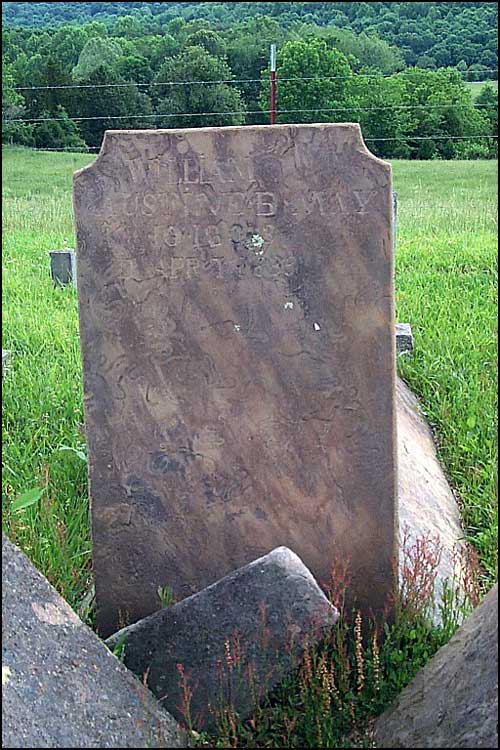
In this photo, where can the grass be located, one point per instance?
(475, 87)
(446, 287)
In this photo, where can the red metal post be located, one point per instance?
(273, 84)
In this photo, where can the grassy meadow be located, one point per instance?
(475, 87)
(446, 287)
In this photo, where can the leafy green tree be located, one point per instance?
(196, 64)
(212, 42)
(108, 106)
(13, 109)
(58, 132)
(312, 81)
(128, 26)
(134, 68)
(487, 100)
(382, 113)
(97, 53)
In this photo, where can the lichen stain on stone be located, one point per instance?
(257, 242)
(6, 673)
(54, 615)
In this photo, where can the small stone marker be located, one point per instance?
(63, 266)
(453, 701)
(404, 338)
(237, 330)
(61, 687)
(235, 640)
(5, 359)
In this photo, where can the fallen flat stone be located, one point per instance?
(61, 687)
(236, 310)
(453, 701)
(428, 509)
(237, 638)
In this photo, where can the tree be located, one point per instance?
(487, 100)
(106, 105)
(97, 53)
(212, 42)
(58, 131)
(134, 68)
(13, 109)
(319, 80)
(196, 64)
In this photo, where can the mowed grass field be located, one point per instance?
(475, 87)
(446, 287)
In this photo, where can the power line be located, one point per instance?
(352, 108)
(74, 150)
(226, 81)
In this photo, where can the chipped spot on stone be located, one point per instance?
(288, 305)
(317, 327)
(237, 327)
(54, 615)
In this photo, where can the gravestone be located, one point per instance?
(237, 333)
(453, 700)
(251, 627)
(61, 686)
(63, 267)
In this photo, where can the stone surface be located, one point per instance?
(5, 359)
(63, 266)
(61, 687)
(428, 508)
(404, 338)
(453, 701)
(237, 638)
(237, 331)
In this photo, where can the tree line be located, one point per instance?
(64, 85)
(427, 34)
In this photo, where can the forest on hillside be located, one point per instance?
(427, 34)
(72, 70)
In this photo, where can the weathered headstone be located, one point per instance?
(237, 332)
(235, 640)
(453, 701)
(61, 686)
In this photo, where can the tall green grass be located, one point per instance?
(446, 266)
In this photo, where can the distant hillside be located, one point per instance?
(428, 34)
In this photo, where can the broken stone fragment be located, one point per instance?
(232, 642)
(453, 701)
(61, 687)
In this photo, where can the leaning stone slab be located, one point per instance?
(234, 641)
(453, 701)
(61, 687)
(428, 509)
(237, 331)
